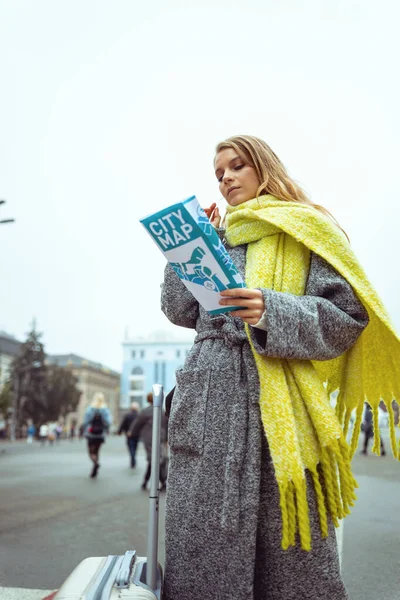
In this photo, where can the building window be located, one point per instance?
(163, 373)
(133, 354)
(178, 354)
(137, 371)
(137, 385)
(140, 398)
(142, 353)
(156, 371)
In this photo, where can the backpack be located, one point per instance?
(96, 425)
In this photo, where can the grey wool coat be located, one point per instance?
(223, 519)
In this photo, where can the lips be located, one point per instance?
(232, 189)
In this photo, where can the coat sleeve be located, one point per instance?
(87, 417)
(177, 303)
(138, 424)
(320, 325)
(124, 425)
(107, 418)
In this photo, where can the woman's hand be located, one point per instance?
(251, 303)
(213, 214)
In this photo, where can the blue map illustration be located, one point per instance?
(209, 230)
(194, 271)
(204, 222)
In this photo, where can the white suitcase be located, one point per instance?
(127, 577)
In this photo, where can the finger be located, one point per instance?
(241, 293)
(216, 217)
(243, 304)
(250, 302)
(210, 209)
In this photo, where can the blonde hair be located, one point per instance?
(98, 400)
(271, 173)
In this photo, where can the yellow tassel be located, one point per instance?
(323, 519)
(335, 483)
(356, 429)
(285, 517)
(347, 481)
(340, 407)
(302, 514)
(346, 423)
(376, 448)
(329, 486)
(291, 514)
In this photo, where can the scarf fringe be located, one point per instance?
(334, 487)
(344, 418)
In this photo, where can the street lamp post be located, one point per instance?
(3, 221)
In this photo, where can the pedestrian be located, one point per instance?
(255, 446)
(142, 428)
(72, 431)
(368, 429)
(43, 433)
(3, 427)
(127, 427)
(97, 422)
(52, 433)
(58, 431)
(31, 432)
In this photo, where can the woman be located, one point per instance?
(97, 422)
(259, 464)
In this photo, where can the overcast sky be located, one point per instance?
(110, 110)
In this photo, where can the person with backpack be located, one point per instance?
(97, 422)
(127, 427)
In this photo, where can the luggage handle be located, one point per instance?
(152, 546)
(124, 574)
(101, 587)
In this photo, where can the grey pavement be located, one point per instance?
(12, 593)
(53, 515)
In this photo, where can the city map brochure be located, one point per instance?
(187, 239)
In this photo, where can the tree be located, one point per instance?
(5, 398)
(62, 393)
(29, 381)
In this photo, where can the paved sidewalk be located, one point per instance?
(23, 594)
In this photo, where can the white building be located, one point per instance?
(9, 349)
(150, 360)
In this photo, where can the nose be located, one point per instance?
(228, 177)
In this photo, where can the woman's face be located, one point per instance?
(238, 181)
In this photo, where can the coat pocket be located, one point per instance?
(187, 420)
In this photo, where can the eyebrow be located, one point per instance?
(230, 162)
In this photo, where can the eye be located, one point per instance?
(219, 179)
(238, 167)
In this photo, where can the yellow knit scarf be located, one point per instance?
(303, 430)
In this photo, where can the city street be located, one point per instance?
(53, 515)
